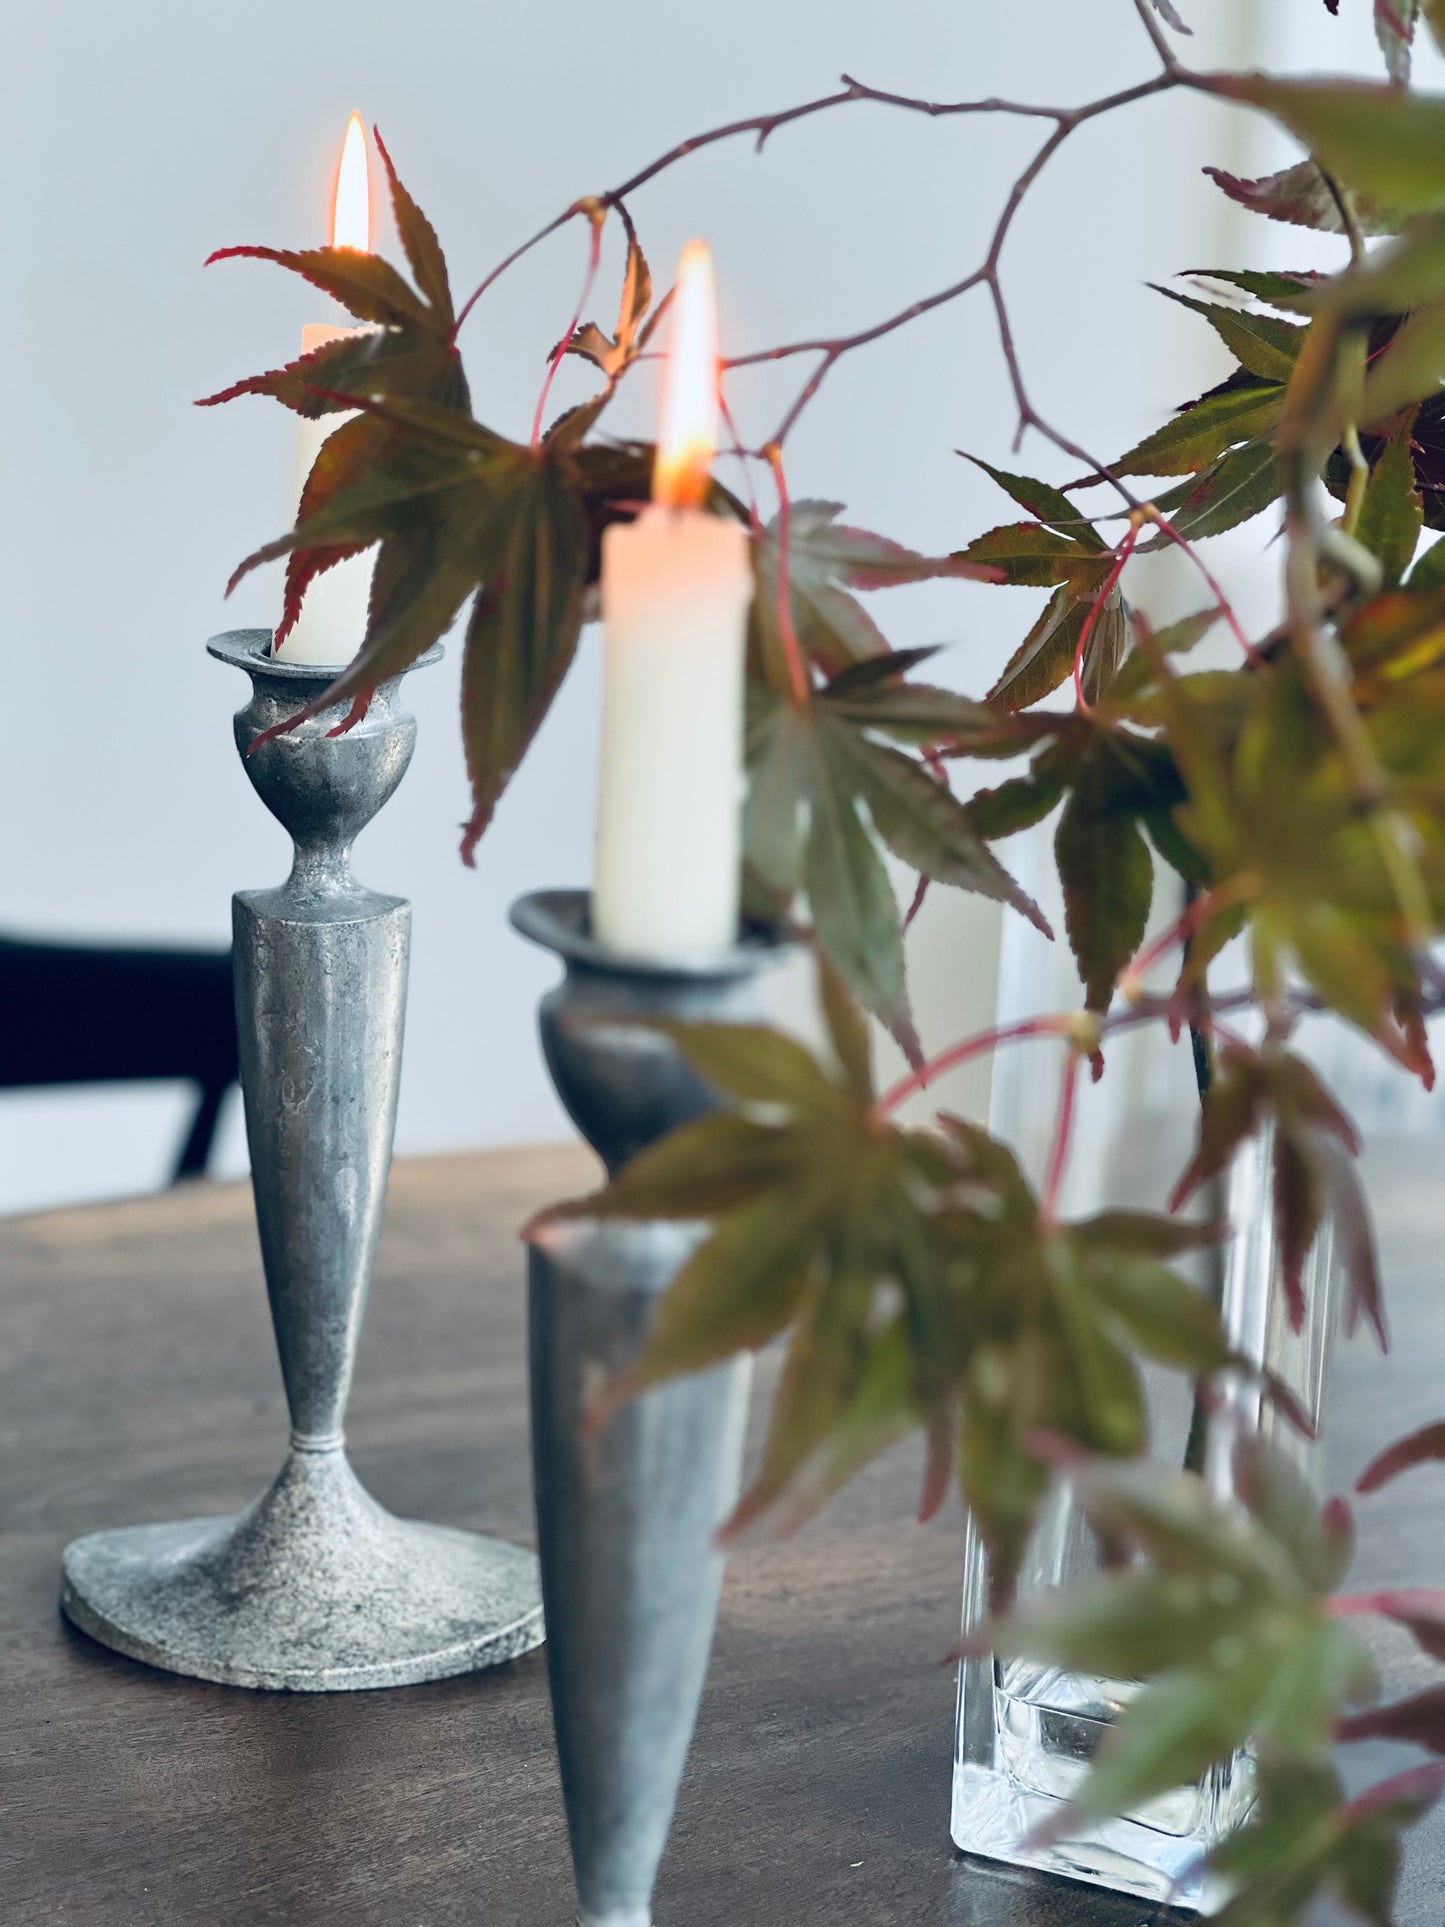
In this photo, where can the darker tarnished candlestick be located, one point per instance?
(316, 1588)
(625, 1520)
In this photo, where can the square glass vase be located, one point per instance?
(1027, 1732)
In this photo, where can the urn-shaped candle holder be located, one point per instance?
(626, 1518)
(316, 1587)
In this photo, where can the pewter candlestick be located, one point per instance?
(625, 1520)
(315, 1588)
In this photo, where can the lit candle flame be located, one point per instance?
(691, 406)
(351, 204)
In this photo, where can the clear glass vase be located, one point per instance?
(1027, 1732)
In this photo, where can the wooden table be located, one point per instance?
(138, 1381)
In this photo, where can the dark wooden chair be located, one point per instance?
(82, 1014)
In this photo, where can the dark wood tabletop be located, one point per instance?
(138, 1382)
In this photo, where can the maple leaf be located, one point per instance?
(408, 354)
(1273, 812)
(1227, 1624)
(1304, 1842)
(1313, 1146)
(616, 352)
(1119, 785)
(1060, 549)
(827, 786)
(1302, 197)
(827, 561)
(918, 1280)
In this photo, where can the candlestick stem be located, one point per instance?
(316, 1587)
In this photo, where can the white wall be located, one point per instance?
(136, 139)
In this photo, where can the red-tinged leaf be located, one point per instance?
(1108, 881)
(523, 632)
(1301, 197)
(343, 459)
(613, 353)
(1028, 555)
(1375, 139)
(1229, 1117)
(1354, 1234)
(1419, 1721)
(364, 283)
(1298, 1209)
(1042, 500)
(1420, 1448)
(1044, 660)
(418, 238)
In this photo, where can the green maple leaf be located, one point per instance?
(1274, 814)
(828, 786)
(1227, 1625)
(1116, 785)
(1060, 549)
(918, 1281)
(1304, 1842)
(1263, 345)
(1245, 408)
(1313, 1150)
(1392, 513)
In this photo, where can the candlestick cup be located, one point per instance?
(626, 1519)
(315, 1587)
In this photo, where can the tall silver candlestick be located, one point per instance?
(626, 1520)
(315, 1588)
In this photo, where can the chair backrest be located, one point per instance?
(87, 1014)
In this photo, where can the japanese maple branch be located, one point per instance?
(831, 349)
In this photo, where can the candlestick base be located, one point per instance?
(314, 1589)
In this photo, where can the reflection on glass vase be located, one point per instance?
(1027, 1732)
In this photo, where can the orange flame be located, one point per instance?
(687, 437)
(351, 200)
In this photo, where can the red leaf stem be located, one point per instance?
(1165, 527)
(792, 648)
(1063, 1135)
(1111, 582)
(964, 1052)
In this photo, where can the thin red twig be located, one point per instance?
(594, 255)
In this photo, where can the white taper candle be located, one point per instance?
(332, 622)
(676, 585)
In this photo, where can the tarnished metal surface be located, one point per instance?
(315, 1588)
(626, 1518)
